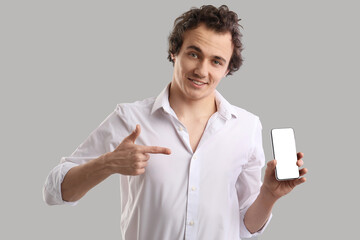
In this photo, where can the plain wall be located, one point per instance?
(64, 65)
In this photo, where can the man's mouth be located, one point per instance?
(197, 82)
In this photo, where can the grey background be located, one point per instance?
(64, 65)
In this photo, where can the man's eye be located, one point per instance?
(217, 62)
(194, 55)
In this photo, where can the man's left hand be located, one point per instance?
(277, 189)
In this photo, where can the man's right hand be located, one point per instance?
(129, 158)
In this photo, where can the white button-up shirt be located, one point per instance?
(185, 195)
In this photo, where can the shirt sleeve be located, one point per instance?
(249, 182)
(105, 138)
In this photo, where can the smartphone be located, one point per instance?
(284, 151)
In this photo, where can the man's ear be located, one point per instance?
(173, 57)
(226, 73)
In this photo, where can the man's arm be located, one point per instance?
(127, 159)
(271, 190)
(80, 179)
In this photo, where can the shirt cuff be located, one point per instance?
(52, 187)
(244, 232)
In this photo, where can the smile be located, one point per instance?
(197, 82)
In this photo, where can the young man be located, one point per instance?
(191, 169)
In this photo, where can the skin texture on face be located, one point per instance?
(204, 56)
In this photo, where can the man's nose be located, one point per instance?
(201, 69)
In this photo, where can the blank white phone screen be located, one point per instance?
(284, 150)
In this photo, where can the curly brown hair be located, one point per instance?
(218, 19)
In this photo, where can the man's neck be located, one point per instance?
(188, 109)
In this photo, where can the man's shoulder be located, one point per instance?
(242, 113)
(139, 105)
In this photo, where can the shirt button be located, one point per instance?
(180, 129)
(193, 188)
(194, 157)
(191, 223)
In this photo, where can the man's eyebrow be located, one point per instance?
(195, 48)
(199, 50)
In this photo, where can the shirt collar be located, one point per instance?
(224, 108)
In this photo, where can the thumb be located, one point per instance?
(132, 137)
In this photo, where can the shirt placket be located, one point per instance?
(192, 198)
(192, 188)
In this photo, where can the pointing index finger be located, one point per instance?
(156, 149)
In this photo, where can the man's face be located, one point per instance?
(201, 62)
